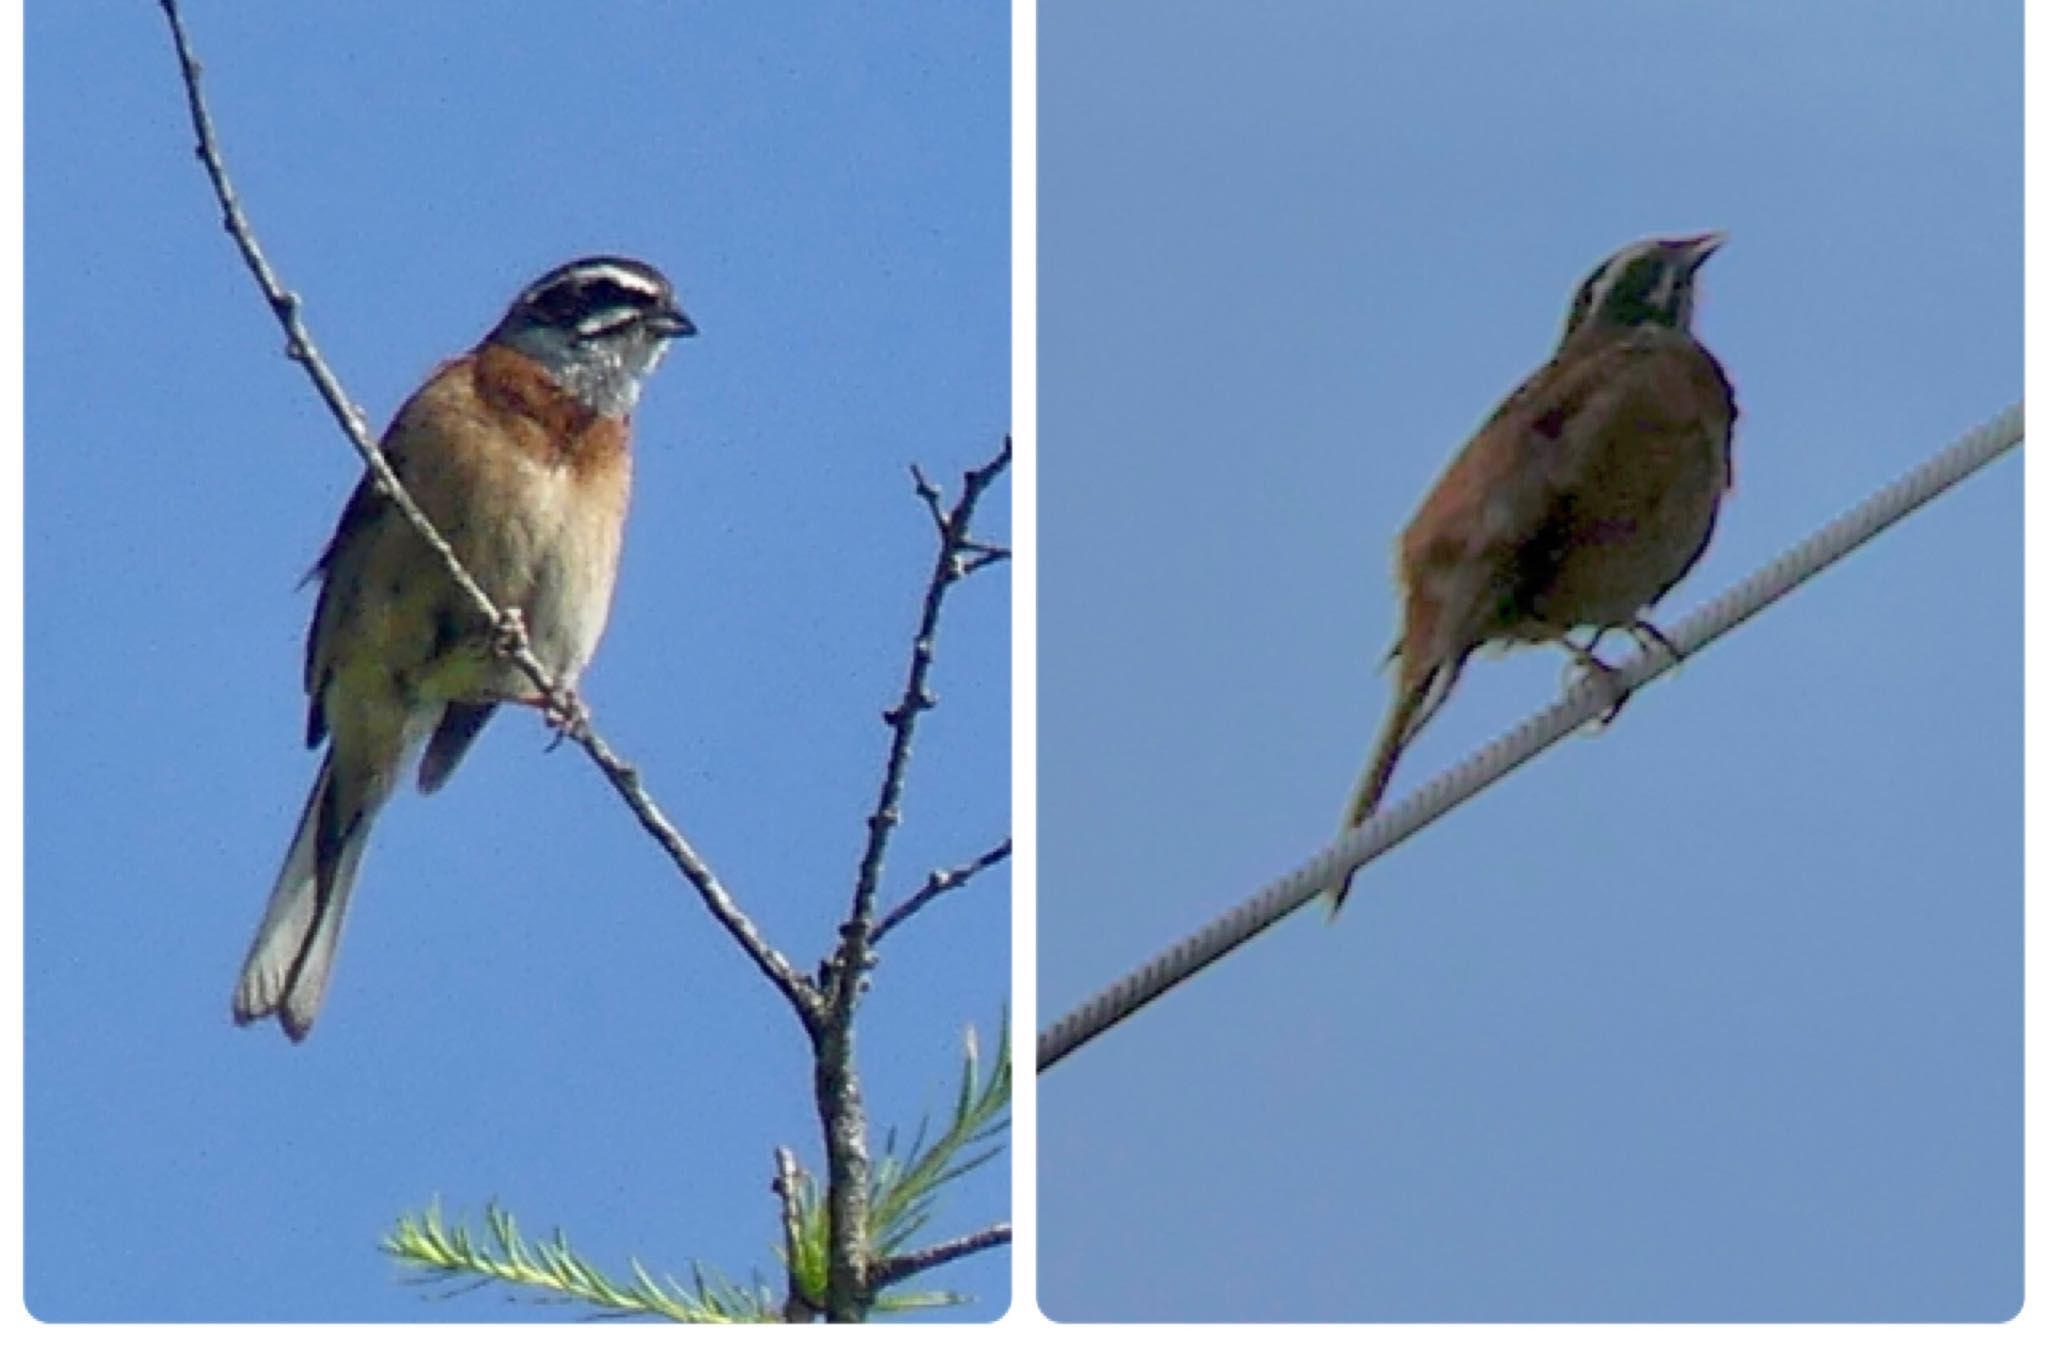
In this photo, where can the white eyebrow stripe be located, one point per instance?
(1616, 268)
(639, 283)
(1603, 281)
(625, 278)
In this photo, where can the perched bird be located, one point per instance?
(1586, 495)
(519, 452)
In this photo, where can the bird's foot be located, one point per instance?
(1587, 667)
(566, 716)
(1645, 634)
(509, 637)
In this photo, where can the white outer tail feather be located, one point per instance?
(292, 957)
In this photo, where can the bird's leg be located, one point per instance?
(1645, 635)
(507, 639)
(567, 721)
(1586, 665)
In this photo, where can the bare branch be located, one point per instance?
(930, 495)
(843, 1118)
(561, 704)
(808, 1003)
(836, 1084)
(789, 1187)
(891, 1271)
(937, 883)
(947, 569)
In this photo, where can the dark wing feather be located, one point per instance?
(460, 725)
(366, 515)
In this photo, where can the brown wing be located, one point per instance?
(363, 520)
(1458, 556)
(1489, 541)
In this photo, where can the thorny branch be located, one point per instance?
(563, 706)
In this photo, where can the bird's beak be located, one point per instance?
(1700, 247)
(671, 322)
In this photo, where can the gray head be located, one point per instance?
(1649, 282)
(600, 326)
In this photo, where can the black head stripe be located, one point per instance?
(1645, 283)
(595, 294)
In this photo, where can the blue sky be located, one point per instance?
(1716, 1016)
(530, 1007)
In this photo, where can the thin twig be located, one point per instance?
(561, 702)
(979, 555)
(928, 492)
(836, 1082)
(805, 999)
(947, 569)
(789, 1181)
(891, 1271)
(937, 883)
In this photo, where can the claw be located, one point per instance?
(567, 723)
(574, 720)
(1587, 666)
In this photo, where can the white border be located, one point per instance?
(1024, 1317)
(13, 541)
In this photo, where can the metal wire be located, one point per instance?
(1590, 699)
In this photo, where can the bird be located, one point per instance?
(519, 452)
(1586, 495)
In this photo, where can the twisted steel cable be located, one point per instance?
(1590, 699)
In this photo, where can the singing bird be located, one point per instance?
(1588, 494)
(520, 453)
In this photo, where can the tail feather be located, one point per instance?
(289, 963)
(1415, 702)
